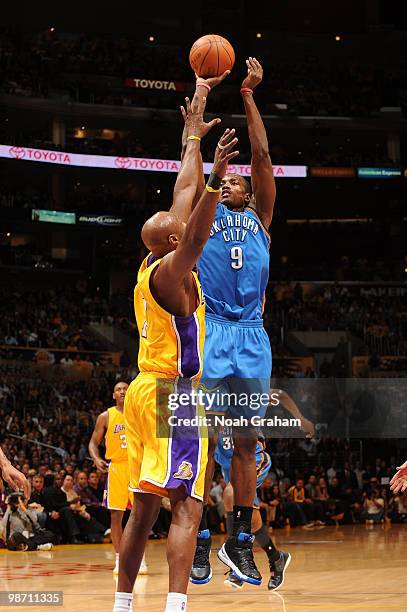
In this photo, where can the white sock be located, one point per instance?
(117, 558)
(122, 602)
(176, 602)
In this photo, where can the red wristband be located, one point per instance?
(246, 90)
(204, 85)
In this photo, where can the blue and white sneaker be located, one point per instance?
(237, 553)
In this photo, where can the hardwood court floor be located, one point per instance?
(342, 569)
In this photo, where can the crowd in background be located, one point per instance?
(380, 320)
(45, 430)
(52, 63)
(53, 319)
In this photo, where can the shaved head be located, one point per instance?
(162, 232)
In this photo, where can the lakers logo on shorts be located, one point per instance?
(184, 471)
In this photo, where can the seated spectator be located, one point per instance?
(298, 496)
(61, 519)
(270, 504)
(96, 485)
(36, 501)
(19, 528)
(292, 511)
(373, 508)
(88, 498)
(91, 530)
(398, 508)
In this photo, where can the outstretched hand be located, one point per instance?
(224, 152)
(16, 479)
(254, 73)
(212, 81)
(195, 124)
(224, 139)
(398, 484)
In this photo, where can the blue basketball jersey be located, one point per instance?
(224, 450)
(234, 266)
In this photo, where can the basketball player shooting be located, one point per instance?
(234, 270)
(169, 307)
(110, 426)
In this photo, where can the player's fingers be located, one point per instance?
(14, 484)
(230, 144)
(202, 104)
(214, 122)
(188, 105)
(227, 138)
(224, 75)
(183, 113)
(231, 155)
(224, 134)
(228, 149)
(27, 490)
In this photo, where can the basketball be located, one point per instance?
(211, 55)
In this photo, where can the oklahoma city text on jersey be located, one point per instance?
(234, 228)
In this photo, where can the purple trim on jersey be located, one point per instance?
(185, 460)
(105, 502)
(150, 259)
(187, 330)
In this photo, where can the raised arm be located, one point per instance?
(175, 268)
(183, 203)
(264, 187)
(99, 433)
(288, 403)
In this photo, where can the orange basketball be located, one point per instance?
(211, 55)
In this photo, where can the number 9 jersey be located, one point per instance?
(233, 271)
(234, 266)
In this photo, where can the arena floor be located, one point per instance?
(344, 569)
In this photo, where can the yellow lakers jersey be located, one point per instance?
(115, 439)
(169, 344)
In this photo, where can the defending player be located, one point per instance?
(234, 270)
(169, 307)
(110, 426)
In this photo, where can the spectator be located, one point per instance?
(20, 530)
(61, 519)
(88, 498)
(298, 496)
(96, 485)
(373, 507)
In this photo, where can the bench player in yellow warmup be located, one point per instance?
(170, 309)
(110, 426)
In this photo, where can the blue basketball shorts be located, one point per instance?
(237, 364)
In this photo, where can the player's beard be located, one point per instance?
(232, 204)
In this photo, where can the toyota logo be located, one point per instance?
(17, 152)
(122, 162)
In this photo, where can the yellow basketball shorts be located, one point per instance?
(116, 494)
(161, 457)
